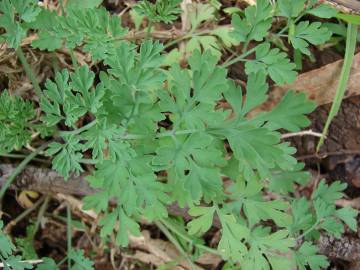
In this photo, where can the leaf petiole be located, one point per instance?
(78, 130)
(29, 72)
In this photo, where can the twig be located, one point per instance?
(175, 242)
(326, 154)
(19, 169)
(68, 235)
(28, 261)
(24, 214)
(41, 214)
(354, 203)
(301, 133)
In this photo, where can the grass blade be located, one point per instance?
(344, 78)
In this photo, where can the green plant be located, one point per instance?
(139, 121)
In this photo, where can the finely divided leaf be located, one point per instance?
(307, 256)
(162, 11)
(204, 219)
(323, 11)
(80, 261)
(305, 33)
(68, 156)
(15, 115)
(290, 113)
(255, 25)
(272, 62)
(291, 8)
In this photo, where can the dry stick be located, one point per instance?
(301, 133)
(28, 261)
(68, 234)
(22, 215)
(41, 214)
(19, 169)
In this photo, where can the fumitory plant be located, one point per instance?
(157, 135)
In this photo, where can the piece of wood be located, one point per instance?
(348, 6)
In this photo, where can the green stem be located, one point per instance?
(19, 169)
(188, 239)
(24, 214)
(22, 156)
(295, 21)
(173, 240)
(68, 235)
(148, 31)
(62, 7)
(29, 71)
(160, 135)
(186, 36)
(41, 214)
(73, 59)
(62, 261)
(79, 130)
(239, 58)
(88, 161)
(245, 47)
(313, 227)
(344, 78)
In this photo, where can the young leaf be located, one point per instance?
(68, 155)
(262, 244)
(255, 25)
(291, 8)
(307, 256)
(15, 115)
(199, 13)
(329, 193)
(349, 216)
(323, 11)
(74, 4)
(261, 210)
(191, 100)
(127, 226)
(162, 11)
(96, 29)
(305, 33)
(6, 246)
(26, 244)
(15, 13)
(290, 113)
(272, 62)
(231, 245)
(80, 261)
(16, 263)
(302, 216)
(203, 222)
(47, 264)
(258, 149)
(283, 182)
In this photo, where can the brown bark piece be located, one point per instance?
(346, 248)
(349, 6)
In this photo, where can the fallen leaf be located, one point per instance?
(319, 84)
